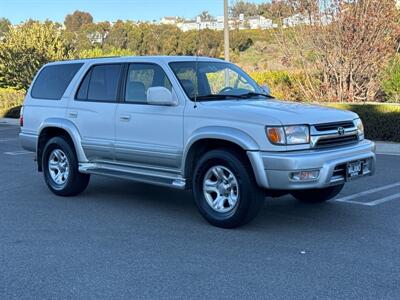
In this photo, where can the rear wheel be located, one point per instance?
(60, 168)
(317, 195)
(225, 190)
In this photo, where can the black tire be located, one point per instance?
(75, 182)
(250, 196)
(317, 195)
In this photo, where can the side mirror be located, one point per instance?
(266, 89)
(160, 95)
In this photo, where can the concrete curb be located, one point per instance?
(387, 148)
(9, 121)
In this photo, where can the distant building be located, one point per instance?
(96, 37)
(260, 22)
(169, 20)
(295, 20)
(300, 19)
(243, 22)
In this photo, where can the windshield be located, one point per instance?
(214, 80)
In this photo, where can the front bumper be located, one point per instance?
(273, 169)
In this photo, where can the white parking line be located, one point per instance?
(383, 200)
(20, 152)
(8, 140)
(371, 191)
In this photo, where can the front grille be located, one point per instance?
(334, 126)
(337, 141)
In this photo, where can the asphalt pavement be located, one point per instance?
(125, 240)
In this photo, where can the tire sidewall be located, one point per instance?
(52, 144)
(230, 161)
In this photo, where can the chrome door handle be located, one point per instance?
(125, 118)
(73, 114)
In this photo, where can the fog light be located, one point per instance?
(305, 175)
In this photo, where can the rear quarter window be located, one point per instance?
(52, 81)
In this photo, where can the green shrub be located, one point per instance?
(381, 121)
(283, 84)
(98, 52)
(10, 102)
(391, 80)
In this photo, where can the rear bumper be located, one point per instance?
(28, 141)
(273, 169)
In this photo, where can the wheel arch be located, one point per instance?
(59, 127)
(208, 138)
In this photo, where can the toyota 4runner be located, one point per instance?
(188, 123)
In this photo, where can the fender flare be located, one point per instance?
(71, 129)
(234, 135)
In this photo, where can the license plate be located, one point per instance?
(354, 169)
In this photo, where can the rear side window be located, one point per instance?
(100, 83)
(52, 81)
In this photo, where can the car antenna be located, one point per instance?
(195, 78)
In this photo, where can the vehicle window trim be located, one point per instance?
(69, 83)
(123, 101)
(117, 100)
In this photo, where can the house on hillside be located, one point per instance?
(169, 20)
(301, 19)
(260, 22)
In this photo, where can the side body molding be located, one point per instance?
(72, 130)
(229, 134)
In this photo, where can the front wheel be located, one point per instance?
(317, 195)
(225, 190)
(60, 168)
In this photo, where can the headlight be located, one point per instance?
(360, 127)
(289, 135)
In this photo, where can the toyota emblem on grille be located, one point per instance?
(340, 130)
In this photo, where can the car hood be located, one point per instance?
(268, 111)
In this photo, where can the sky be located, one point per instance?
(111, 10)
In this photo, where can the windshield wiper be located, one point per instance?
(230, 96)
(213, 97)
(253, 94)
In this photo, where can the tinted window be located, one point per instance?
(52, 81)
(100, 84)
(140, 78)
(83, 89)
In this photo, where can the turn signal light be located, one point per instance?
(276, 135)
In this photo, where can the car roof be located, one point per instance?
(148, 59)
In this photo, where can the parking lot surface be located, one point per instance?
(121, 239)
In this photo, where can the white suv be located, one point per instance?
(185, 122)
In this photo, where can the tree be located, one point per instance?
(276, 10)
(118, 35)
(205, 16)
(205, 42)
(248, 9)
(4, 26)
(391, 80)
(343, 51)
(26, 48)
(240, 41)
(74, 21)
(98, 52)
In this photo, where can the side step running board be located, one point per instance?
(135, 174)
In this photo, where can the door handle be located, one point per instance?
(73, 114)
(125, 118)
